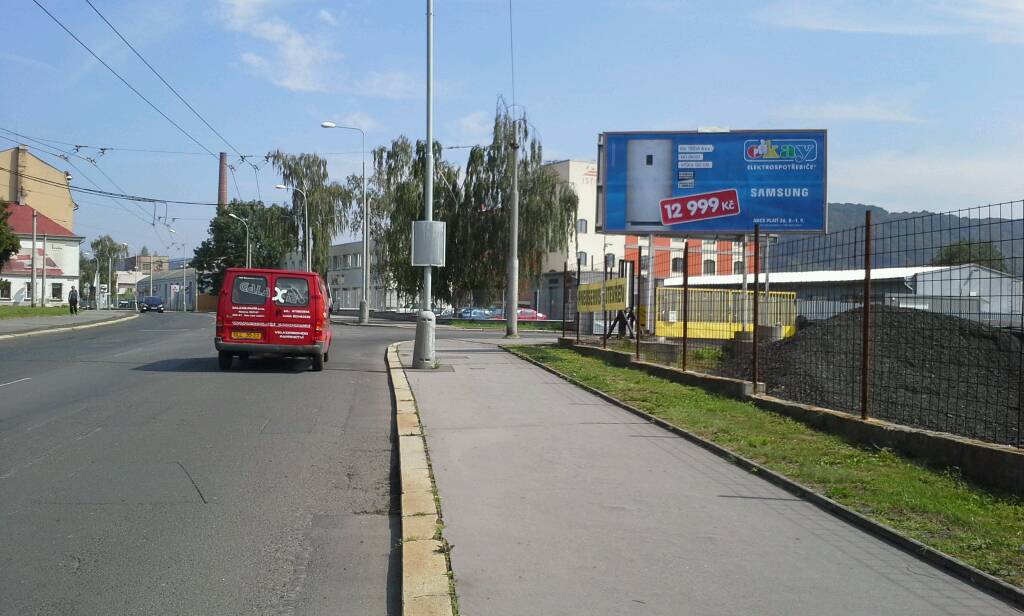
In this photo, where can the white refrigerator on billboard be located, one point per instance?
(650, 164)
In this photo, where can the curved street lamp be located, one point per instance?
(248, 261)
(305, 216)
(364, 307)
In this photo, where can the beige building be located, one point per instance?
(584, 242)
(26, 179)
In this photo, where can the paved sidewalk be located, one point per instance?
(556, 502)
(84, 317)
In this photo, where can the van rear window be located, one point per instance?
(291, 291)
(250, 290)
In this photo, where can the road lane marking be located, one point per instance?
(18, 381)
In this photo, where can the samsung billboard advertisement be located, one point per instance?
(712, 183)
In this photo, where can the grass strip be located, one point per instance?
(982, 527)
(17, 312)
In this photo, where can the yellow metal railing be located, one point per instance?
(718, 314)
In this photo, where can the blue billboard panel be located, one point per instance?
(693, 183)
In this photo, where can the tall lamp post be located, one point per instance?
(248, 260)
(364, 307)
(305, 216)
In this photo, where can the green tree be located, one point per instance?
(106, 249)
(9, 242)
(474, 204)
(980, 253)
(272, 233)
(323, 199)
(144, 252)
(86, 274)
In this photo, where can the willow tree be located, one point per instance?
(326, 202)
(473, 203)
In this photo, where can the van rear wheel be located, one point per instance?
(224, 360)
(318, 362)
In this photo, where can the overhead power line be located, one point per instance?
(161, 77)
(122, 79)
(106, 193)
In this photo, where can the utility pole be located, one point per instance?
(151, 274)
(42, 290)
(423, 350)
(222, 184)
(512, 285)
(32, 286)
(110, 279)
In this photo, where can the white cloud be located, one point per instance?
(388, 84)
(475, 126)
(327, 17)
(299, 61)
(926, 180)
(896, 109)
(994, 20)
(28, 62)
(361, 120)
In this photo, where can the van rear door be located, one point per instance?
(293, 309)
(248, 310)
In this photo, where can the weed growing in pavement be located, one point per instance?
(937, 507)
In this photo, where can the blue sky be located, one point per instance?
(922, 99)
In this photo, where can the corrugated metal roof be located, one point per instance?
(882, 273)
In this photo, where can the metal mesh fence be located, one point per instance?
(916, 319)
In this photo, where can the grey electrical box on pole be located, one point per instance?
(423, 350)
(428, 243)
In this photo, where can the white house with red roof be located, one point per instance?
(56, 266)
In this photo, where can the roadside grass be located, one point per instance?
(17, 312)
(500, 324)
(982, 527)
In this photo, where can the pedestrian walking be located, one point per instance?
(620, 322)
(73, 300)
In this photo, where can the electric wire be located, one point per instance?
(161, 77)
(122, 79)
(106, 193)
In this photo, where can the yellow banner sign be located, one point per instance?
(616, 296)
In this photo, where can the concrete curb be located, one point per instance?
(54, 330)
(993, 585)
(426, 567)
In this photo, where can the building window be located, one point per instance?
(645, 260)
(709, 266)
(57, 291)
(5, 289)
(581, 225)
(737, 267)
(709, 245)
(677, 265)
(609, 260)
(28, 290)
(581, 258)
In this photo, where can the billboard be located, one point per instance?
(610, 295)
(712, 183)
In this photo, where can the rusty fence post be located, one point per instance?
(757, 298)
(604, 311)
(866, 317)
(686, 302)
(577, 302)
(636, 302)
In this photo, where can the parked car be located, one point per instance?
(524, 314)
(273, 312)
(151, 304)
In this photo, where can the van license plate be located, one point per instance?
(246, 335)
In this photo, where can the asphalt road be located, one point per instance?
(137, 478)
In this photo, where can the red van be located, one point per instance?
(276, 312)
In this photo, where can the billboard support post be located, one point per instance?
(757, 270)
(604, 309)
(651, 286)
(579, 270)
(636, 303)
(686, 303)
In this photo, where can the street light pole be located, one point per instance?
(423, 349)
(364, 306)
(512, 285)
(248, 261)
(305, 216)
